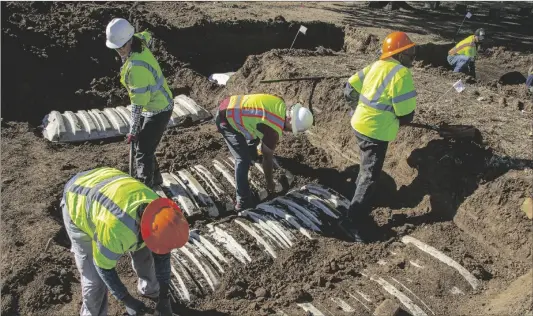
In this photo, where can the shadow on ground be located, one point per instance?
(449, 171)
(445, 22)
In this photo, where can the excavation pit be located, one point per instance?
(82, 73)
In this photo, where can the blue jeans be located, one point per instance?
(462, 63)
(529, 83)
(241, 149)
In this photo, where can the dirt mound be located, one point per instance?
(357, 41)
(62, 45)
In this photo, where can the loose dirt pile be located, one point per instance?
(463, 197)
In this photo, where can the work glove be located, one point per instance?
(133, 306)
(131, 138)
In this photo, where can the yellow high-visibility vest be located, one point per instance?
(244, 112)
(465, 47)
(144, 80)
(386, 91)
(105, 203)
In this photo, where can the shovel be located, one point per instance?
(449, 131)
(132, 153)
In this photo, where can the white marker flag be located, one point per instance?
(468, 15)
(459, 86)
(302, 29)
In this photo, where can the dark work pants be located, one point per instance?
(152, 129)
(372, 158)
(241, 149)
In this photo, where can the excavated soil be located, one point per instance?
(460, 196)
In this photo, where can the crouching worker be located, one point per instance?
(108, 213)
(246, 120)
(462, 56)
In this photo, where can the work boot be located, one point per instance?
(367, 227)
(163, 307)
(152, 296)
(349, 230)
(242, 206)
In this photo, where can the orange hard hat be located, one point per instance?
(394, 43)
(163, 226)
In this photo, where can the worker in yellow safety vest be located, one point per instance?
(384, 97)
(462, 56)
(246, 120)
(108, 213)
(149, 94)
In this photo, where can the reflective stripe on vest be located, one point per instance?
(383, 106)
(237, 113)
(361, 75)
(159, 80)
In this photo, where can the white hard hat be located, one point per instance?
(118, 32)
(301, 118)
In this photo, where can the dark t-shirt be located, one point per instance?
(270, 136)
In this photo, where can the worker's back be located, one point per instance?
(466, 47)
(386, 91)
(245, 112)
(104, 204)
(143, 78)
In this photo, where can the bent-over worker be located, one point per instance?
(462, 56)
(385, 98)
(246, 120)
(108, 213)
(149, 94)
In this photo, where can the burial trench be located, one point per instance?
(305, 212)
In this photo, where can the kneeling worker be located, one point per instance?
(244, 121)
(108, 213)
(462, 56)
(385, 98)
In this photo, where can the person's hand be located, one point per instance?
(133, 305)
(131, 138)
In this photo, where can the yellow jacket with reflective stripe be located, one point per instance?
(105, 203)
(244, 112)
(144, 80)
(465, 47)
(386, 91)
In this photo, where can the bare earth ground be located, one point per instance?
(460, 197)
